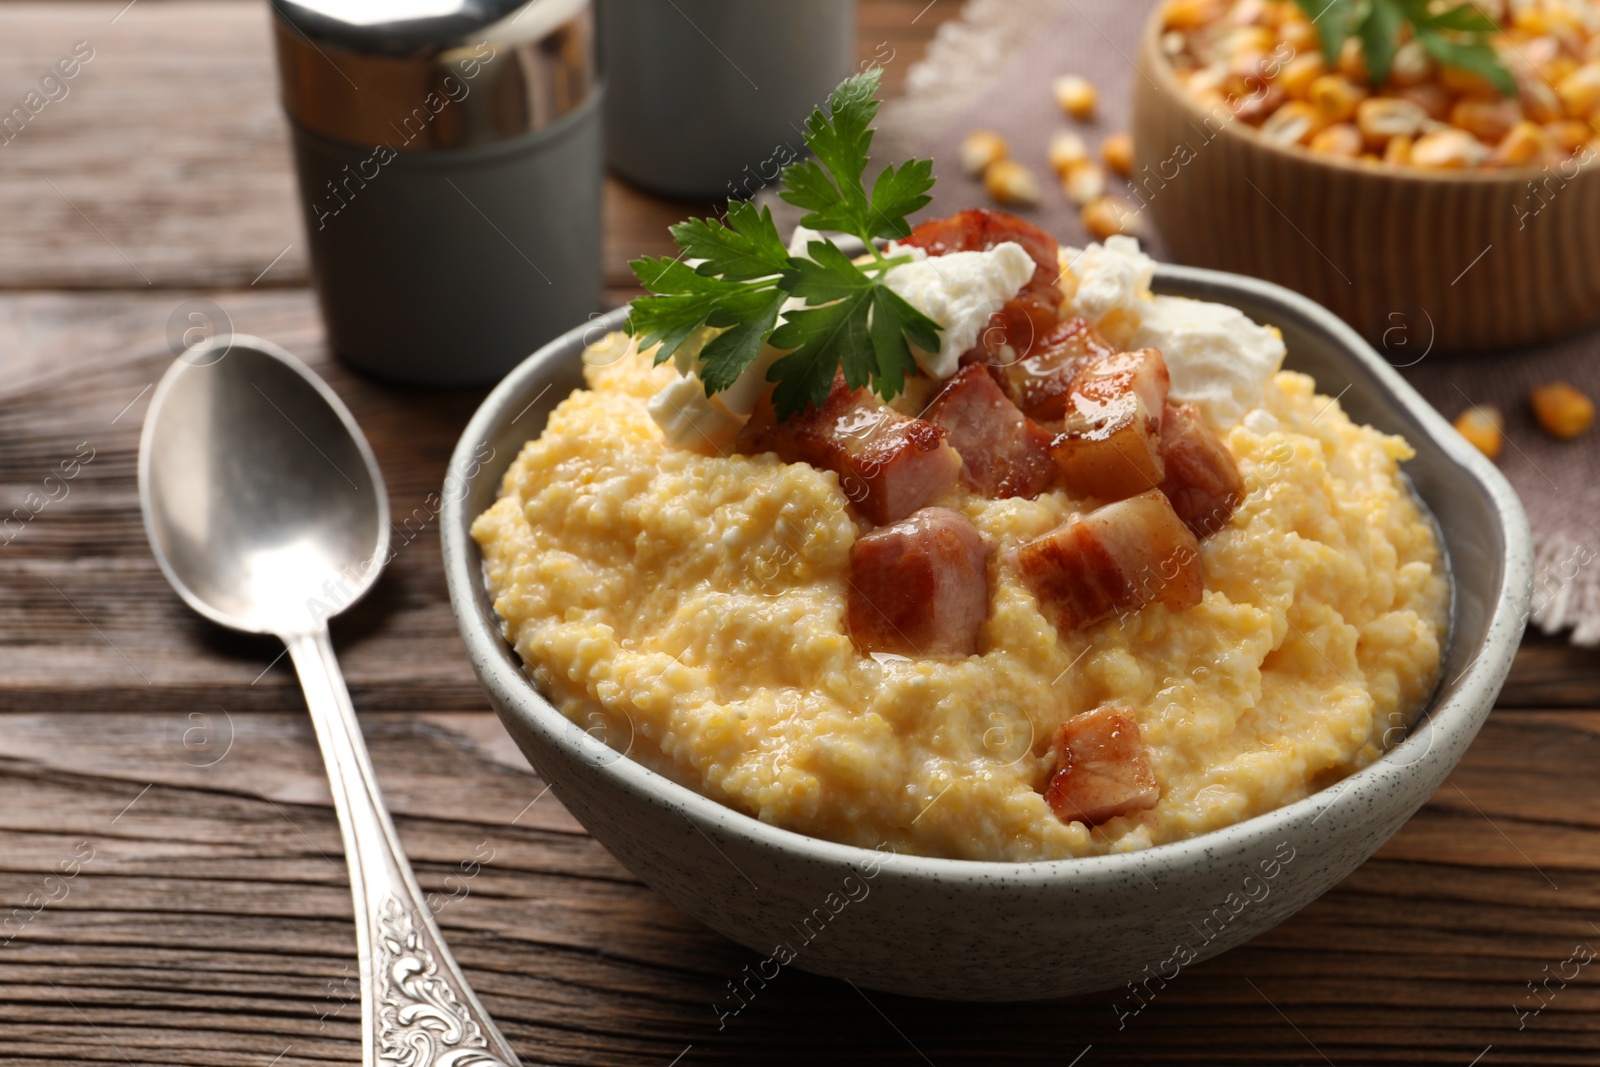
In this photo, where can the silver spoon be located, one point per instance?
(267, 513)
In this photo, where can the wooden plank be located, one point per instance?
(211, 923)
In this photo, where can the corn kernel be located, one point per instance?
(1191, 14)
(1580, 90)
(1523, 143)
(1429, 97)
(1067, 150)
(1084, 183)
(1117, 151)
(1397, 153)
(1075, 96)
(1384, 117)
(1335, 97)
(1109, 216)
(1448, 149)
(1293, 123)
(1010, 183)
(1487, 120)
(1340, 139)
(1411, 65)
(1569, 134)
(1299, 34)
(1465, 83)
(980, 150)
(1484, 428)
(1352, 61)
(1300, 72)
(1562, 410)
(1540, 102)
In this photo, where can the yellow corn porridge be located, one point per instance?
(694, 604)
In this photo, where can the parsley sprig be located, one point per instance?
(743, 273)
(1454, 37)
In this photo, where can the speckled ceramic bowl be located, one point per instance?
(1011, 931)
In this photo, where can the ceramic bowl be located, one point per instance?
(975, 930)
(1412, 259)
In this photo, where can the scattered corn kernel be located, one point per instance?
(1448, 149)
(1340, 139)
(1484, 428)
(1117, 151)
(1463, 82)
(1067, 150)
(1539, 101)
(1075, 96)
(1397, 153)
(1010, 183)
(1562, 410)
(980, 150)
(1335, 97)
(1084, 183)
(1109, 216)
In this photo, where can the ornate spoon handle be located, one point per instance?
(416, 1008)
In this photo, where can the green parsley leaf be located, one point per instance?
(1333, 19)
(819, 338)
(743, 273)
(1467, 17)
(1380, 30)
(748, 247)
(1476, 57)
(728, 354)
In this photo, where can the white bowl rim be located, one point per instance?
(1484, 675)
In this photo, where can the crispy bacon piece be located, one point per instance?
(1041, 384)
(1102, 770)
(1202, 480)
(1030, 316)
(1110, 443)
(1115, 560)
(1003, 453)
(889, 465)
(919, 587)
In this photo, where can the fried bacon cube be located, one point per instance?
(919, 587)
(889, 465)
(1041, 384)
(1102, 770)
(1110, 442)
(1003, 452)
(1201, 478)
(1025, 320)
(1115, 560)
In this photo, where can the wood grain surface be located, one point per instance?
(171, 885)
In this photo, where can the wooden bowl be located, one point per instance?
(1414, 260)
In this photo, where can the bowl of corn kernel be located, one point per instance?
(1424, 168)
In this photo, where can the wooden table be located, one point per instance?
(170, 769)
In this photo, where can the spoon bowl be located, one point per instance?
(267, 513)
(262, 499)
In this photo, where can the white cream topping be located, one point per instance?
(1220, 361)
(690, 419)
(959, 291)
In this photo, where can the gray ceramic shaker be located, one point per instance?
(449, 173)
(708, 98)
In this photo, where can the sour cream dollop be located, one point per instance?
(1220, 361)
(959, 291)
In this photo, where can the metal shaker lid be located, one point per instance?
(424, 75)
